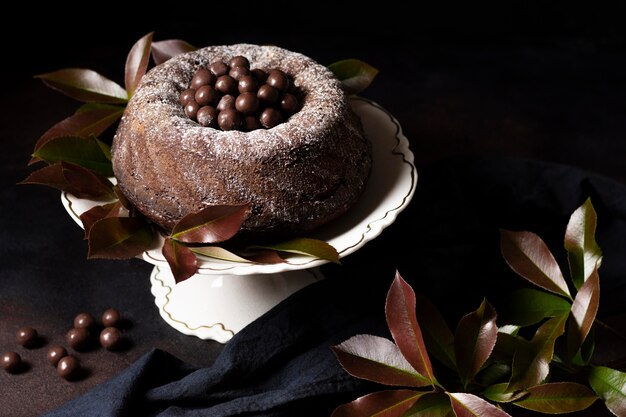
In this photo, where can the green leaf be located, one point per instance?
(182, 261)
(83, 124)
(506, 346)
(379, 404)
(211, 225)
(164, 50)
(119, 238)
(401, 317)
(610, 385)
(137, 63)
(469, 405)
(88, 153)
(584, 309)
(528, 306)
(377, 359)
(354, 74)
(583, 253)
(531, 366)
(431, 405)
(494, 372)
(96, 213)
(474, 339)
(217, 252)
(74, 179)
(530, 258)
(305, 246)
(85, 85)
(557, 398)
(438, 337)
(499, 393)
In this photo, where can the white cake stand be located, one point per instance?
(224, 297)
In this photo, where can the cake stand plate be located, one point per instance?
(224, 297)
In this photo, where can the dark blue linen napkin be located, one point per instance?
(445, 244)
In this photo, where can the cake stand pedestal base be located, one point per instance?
(218, 306)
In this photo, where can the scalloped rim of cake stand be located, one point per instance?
(389, 190)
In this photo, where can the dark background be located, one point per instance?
(531, 81)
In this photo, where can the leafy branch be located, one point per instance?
(491, 368)
(79, 163)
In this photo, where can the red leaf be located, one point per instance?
(211, 224)
(100, 212)
(355, 75)
(85, 85)
(81, 124)
(557, 398)
(531, 366)
(164, 50)
(73, 179)
(469, 405)
(584, 309)
(402, 322)
(377, 359)
(583, 253)
(379, 404)
(181, 260)
(438, 338)
(474, 339)
(137, 63)
(529, 257)
(119, 238)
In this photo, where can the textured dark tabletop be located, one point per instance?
(518, 86)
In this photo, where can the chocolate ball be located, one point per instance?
(85, 320)
(239, 61)
(27, 337)
(191, 109)
(207, 96)
(219, 68)
(186, 96)
(250, 123)
(267, 94)
(11, 362)
(55, 353)
(202, 77)
(229, 119)
(226, 84)
(289, 104)
(78, 338)
(68, 367)
(270, 117)
(247, 103)
(277, 79)
(110, 338)
(111, 316)
(247, 84)
(259, 74)
(238, 72)
(226, 102)
(207, 117)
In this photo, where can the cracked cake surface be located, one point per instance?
(297, 175)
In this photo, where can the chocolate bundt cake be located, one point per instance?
(298, 175)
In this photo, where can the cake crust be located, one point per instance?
(297, 175)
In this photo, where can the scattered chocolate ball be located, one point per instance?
(27, 337)
(226, 102)
(229, 119)
(191, 109)
(247, 103)
(68, 367)
(259, 74)
(289, 104)
(226, 84)
(11, 362)
(77, 338)
(111, 317)
(250, 123)
(207, 95)
(239, 61)
(55, 353)
(219, 68)
(110, 338)
(207, 116)
(270, 117)
(267, 94)
(84, 320)
(247, 84)
(239, 72)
